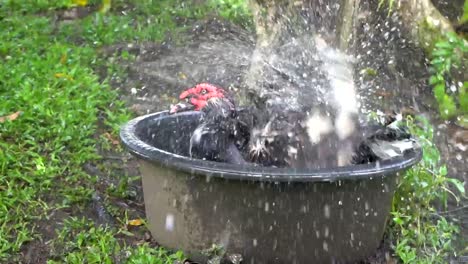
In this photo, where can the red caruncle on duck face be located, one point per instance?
(197, 97)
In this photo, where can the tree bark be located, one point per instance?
(348, 23)
(424, 22)
(280, 22)
(273, 18)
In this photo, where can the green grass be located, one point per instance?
(33, 6)
(53, 137)
(48, 72)
(81, 242)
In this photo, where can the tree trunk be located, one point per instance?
(348, 23)
(296, 26)
(424, 22)
(275, 19)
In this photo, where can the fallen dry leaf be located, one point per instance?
(63, 75)
(461, 136)
(106, 5)
(147, 236)
(135, 222)
(81, 2)
(111, 138)
(383, 93)
(63, 58)
(182, 76)
(10, 117)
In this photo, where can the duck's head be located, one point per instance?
(197, 98)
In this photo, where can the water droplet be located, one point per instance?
(326, 211)
(170, 222)
(325, 246)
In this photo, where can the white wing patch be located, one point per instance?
(386, 149)
(317, 126)
(196, 137)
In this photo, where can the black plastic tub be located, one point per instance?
(268, 215)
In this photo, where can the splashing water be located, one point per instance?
(300, 69)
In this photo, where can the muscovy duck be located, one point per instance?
(231, 135)
(220, 134)
(234, 136)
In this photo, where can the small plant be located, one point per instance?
(215, 254)
(449, 53)
(420, 234)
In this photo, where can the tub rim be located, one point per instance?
(249, 172)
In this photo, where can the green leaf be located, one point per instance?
(458, 184)
(398, 220)
(127, 233)
(435, 79)
(442, 53)
(439, 91)
(447, 106)
(438, 61)
(452, 37)
(444, 45)
(448, 65)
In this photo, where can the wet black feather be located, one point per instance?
(220, 135)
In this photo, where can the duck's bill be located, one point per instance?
(180, 107)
